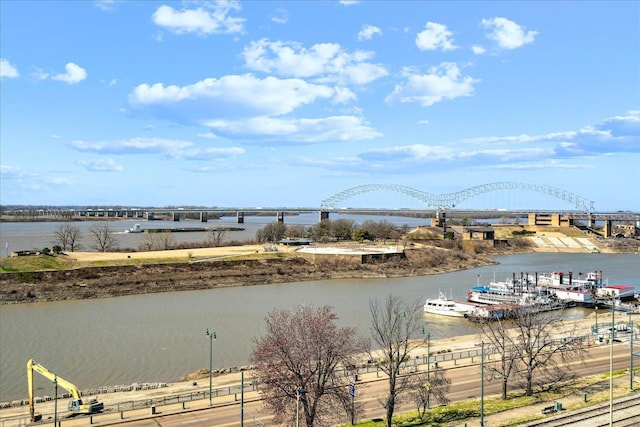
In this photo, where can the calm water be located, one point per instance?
(161, 337)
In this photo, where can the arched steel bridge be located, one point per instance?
(450, 200)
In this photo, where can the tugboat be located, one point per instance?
(135, 229)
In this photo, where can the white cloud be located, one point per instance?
(106, 5)
(507, 34)
(343, 95)
(170, 148)
(40, 74)
(101, 165)
(440, 83)
(286, 130)
(349, 2)
(281, 16)
(478, 50)
(200, 21)
(130, 146)
(206, 153)
(7, 70)
(325, 62)
(435, 36)
(233, 95)
(74, 74)
(368, 31)
(12, 172)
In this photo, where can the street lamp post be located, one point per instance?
(596, 320)
(631, 356)
(211, 335)
(55, 401)
(428, 366)
(299, 391)
(482, 385)
(613, 336)
(429, 369)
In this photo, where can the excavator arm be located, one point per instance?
(75, 405)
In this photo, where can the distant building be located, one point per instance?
(550, 220)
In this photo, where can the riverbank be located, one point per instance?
(102, 275)
(573, 394)
(88, 275)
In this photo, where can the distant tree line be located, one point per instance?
(333, 231)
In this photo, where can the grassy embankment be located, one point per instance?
(459, 412)
(61, 262)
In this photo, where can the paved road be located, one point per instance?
(465, 383)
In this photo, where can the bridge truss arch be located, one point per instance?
(450, 200)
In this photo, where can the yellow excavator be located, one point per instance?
(76, 406)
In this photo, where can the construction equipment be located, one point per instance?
(76, 406)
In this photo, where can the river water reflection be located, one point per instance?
(161, 337)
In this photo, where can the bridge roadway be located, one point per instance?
(465, 384)
(176, 213)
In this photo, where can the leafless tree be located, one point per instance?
(304, 355)
(393, 324)
(495, 332)
(321, 231)
(148, 242)
(536, 345)
(295, 231)
(215, 236)
(67, 236)
(271, 232)
(103, 237)
(166, 240)
(428, 387)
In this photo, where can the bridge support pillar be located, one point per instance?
(204, 217)
(280, 216)
(149, 215)
(607, 228)
(240, 217)
(324, 215)
(176, 216)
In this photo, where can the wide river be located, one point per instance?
(161, 337)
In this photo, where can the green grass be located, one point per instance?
(46, 262)
(466, 410)
(36, 263)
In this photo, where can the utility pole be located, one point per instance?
(211, 335)
(482, 385)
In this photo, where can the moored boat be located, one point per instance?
(446, 307)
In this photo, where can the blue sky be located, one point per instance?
(285, 103)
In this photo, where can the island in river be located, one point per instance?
(89, 275)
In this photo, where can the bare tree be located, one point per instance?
(271, 232)
(303, 355)
(295, 231)
(166, 240)
(67, 236)
(321, 231)
(148, 242)
(103, 237)
(393, 324)
(426, 388)
(537, 345)
(215, 236)
(495, 331)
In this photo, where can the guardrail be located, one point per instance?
(236, 389)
